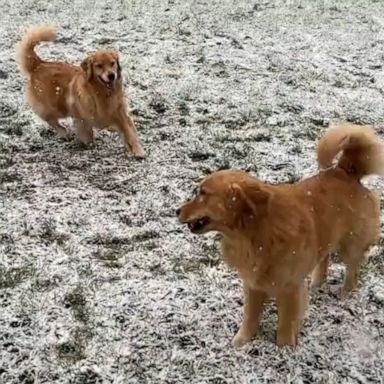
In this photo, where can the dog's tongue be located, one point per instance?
(107, 84)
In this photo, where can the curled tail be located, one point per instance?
(362, 151)
(26, 56)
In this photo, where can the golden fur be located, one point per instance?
(275, 235)
(92, 93)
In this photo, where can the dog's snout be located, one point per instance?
(111, 76)
(178, 211)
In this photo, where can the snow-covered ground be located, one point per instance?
(98, 281)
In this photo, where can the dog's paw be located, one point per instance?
(317, 280)
(345, 293)
(317, 284)
(139, 153)
(85, 142)
(63, 134)
(240, 339)
(85, 136)
(287, 340)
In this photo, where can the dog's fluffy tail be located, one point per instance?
(26, 56)
(361, 150)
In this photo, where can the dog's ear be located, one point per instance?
(249, 199)
(118, 68)
(87, 67)
(116, 57)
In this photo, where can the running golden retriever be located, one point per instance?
(92, 94)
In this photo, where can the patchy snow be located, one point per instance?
(98, 281)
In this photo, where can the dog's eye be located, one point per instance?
(112, 63)
(99, 66)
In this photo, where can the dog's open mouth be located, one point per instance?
(198, 225)
(108, 84)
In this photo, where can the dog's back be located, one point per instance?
(50, 84)
(345, 211)
(362, 154)
(49, 81)
(330, 212)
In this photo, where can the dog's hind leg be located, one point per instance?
(47, 114)
(319, 274)
(355, 245)
(59, 128)
(352, 272)
(352, 255)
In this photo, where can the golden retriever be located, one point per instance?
(92, 93)
(275, 235)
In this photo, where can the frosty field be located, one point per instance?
(99, 283)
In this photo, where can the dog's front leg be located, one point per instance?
(127, 129)
(291, 307)
(253, 308)
(84, 132)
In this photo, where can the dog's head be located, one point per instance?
(225, 201)
(103, 67)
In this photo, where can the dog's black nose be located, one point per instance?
(111, 76)
(178, 211)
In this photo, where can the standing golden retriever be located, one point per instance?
(92, 93)
(275, 235)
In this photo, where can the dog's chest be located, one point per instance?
(97, 109)
(250, 264)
